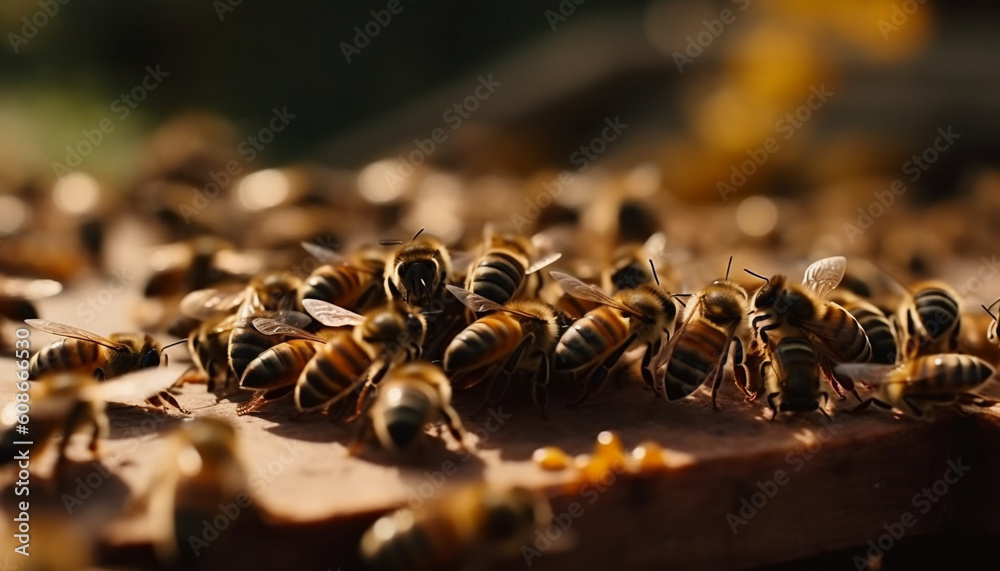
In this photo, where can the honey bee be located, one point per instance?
(417, 271)
(65, 403)
(17, 295)
(273, 374)
(197, 264)
(629, 267)
(208, 345)
(931, 316)
(412, 396)
(991, 331)
(475, 523)
(700, 347)
(920, 385)
(350, 359)
(517, 336)
(834, 331)
(203, 471)
(643, 314)
(102, 357)
(881, 331)
(352, 282)
(793, 373)
(500, 273)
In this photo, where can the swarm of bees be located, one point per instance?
(385, 334)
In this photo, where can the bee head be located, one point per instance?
(417, 281)
(150, 352)
(277, 291)
(724, 302)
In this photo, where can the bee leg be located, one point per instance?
(172, 402)
(373, 379)
(357, 446)
(254, 405)
(772, 406)
(822, 408)
(596, 379)
(719, 372)
(454, 424)
(99, 433)
(647, 358)
(868, 402)
(835, 381)
(508, 371)
(540, 386)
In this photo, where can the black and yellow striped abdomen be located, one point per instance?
(489, 339)
(335, 369)
(841, 335)
(944, 374)
(881, 335)
(497, 276)
(66, 355)
(696, 353)
(340, 285)
(280, 365)
(938, 311)
(591, 338)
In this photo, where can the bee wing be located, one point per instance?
(204, 303)
(589, 292)
(868, 373)
(138, 386)
(543, 262)
(460, 259)
(270, 326)
(331, 315)
(323, 254)
(29, 289)
(476, 303)
(64, 330)
(823, 275)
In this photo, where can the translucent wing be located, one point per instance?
(543, 262)
(73, 332)
(324, 254)
(824, 275)
(480, 304)
(204, 303)
(873, 374)
(834, 335)
(29, 289)
(331, 315)
(136, 386)
(589, 292)
(269, 326)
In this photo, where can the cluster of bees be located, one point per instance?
(384, 333)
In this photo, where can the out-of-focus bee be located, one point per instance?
(643, 314)
(501, 271)
(475, 524)
(65, 403)
(630, 265)
(517, 336)
(202, 471)
(17, 295)
(208, 345)
(412, 396)
(919, 385)
(881, 331)
(353, 358)
(101, 357)
(932, 318)
(196, 264)
(275, 292)
(792, 373)
(991, 332)
(353, 282)
(418, 270)
(700, 347)
(834, 331)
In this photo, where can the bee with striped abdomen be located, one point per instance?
(629, 266)
(792, 373)
(101, 357)
(932, 319)
(881, 331)
(596, 342)
(501, 271)
(517, 336)
(352, 282)
(716, 320)
(418, 270)
(920, 385)
(411, 397)
(476, 523)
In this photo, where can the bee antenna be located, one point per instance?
(756, 275)
(390, 242)
(728, 267)
(990, 313)
(652, 267)
(165, 347)
(419, 232)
